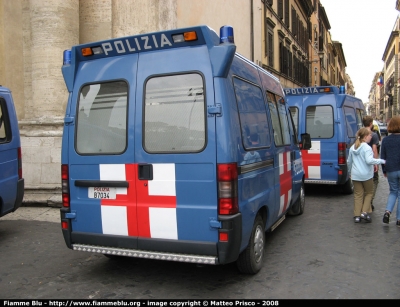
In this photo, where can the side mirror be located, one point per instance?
(305, 142)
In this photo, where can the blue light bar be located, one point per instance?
(67, 57)
(226, 35)
(342, 90)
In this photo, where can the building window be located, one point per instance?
(270, 48)
(269, 41)
(294, 22)
(287, 13)
(280, 9)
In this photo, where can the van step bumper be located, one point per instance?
(146, 254)
(320, 181)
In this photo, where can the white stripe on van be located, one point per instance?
(114, 220)
(114, 172)
(314, 171)
(163, 182)
(163, 223)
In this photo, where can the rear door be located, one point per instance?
(321, 160)
(175, 137)
(100, 147)
(144, 138)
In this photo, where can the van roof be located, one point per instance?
(4, 89)
(340, 96)
(317, 90)
(200, 35)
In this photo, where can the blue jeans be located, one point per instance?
(394, 192)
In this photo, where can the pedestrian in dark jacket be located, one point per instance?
(390, 151)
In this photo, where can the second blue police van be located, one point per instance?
(175, 147)
(11, 180)
(332, 118)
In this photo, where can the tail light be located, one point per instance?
(65, 185)
(227, 189)
(64, 225)
(342, 154)
(19, 163)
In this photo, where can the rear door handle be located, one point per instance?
(145, 171)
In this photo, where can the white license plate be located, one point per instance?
(102, 193)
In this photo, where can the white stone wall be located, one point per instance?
(217, 13)
(11, 51)
(95, 20)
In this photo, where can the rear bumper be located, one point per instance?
(341, 178)
(20, 193)
(18, 199)
(318, 181)
(161, 249)
(146, 254)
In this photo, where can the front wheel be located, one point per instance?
(251, 259)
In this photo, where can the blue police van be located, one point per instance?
(11, 180)
(175, 147)
(331, 118)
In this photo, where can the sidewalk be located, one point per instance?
(43, 214)
(42, 199)
(43, 207)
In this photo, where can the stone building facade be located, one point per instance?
(34, 34)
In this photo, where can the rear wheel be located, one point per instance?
(298, 206)
(109, 256)
(348, 187)
(251, 259)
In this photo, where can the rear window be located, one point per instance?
(101, 123)
(5, 131)
(174, 114)
(319, 122)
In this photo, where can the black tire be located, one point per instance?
(113, 257)
(348, 187)
(298, 206)
(251, 259)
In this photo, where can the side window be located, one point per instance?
(295, 115)
(5, 131)
(360, 115)
(253, 118)
(279, 119)
(101, 124)
(174, 114)
(283, 119)
(351, 121)
(319, 122)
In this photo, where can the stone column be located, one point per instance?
(50, 27)
(131, 17)
(94, 20)
(54, 28)
(11, 51)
